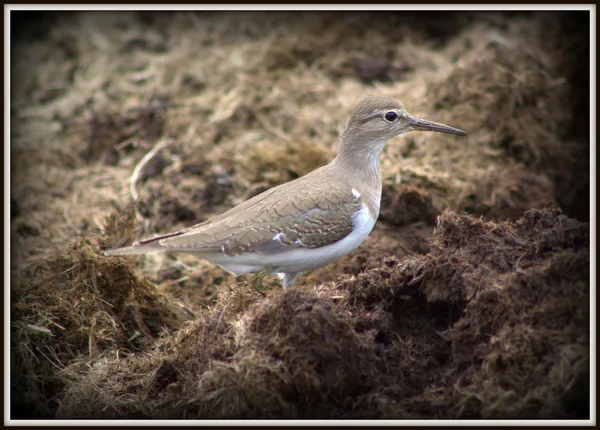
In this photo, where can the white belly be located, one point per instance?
(300, 259)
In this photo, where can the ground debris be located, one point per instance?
(462, 326)
(88, 305)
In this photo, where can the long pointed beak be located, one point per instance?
(424, 125)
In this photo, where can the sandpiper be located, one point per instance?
(311, 221)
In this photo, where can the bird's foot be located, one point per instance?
(257, 280)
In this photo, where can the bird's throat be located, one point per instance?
(361, 168)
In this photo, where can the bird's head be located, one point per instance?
(375, 120)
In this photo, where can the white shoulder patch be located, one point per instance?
(277, 237)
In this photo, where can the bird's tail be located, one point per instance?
(136, 249)
(144, 247)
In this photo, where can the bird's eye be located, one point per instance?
(391, 116)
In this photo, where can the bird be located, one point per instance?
(311, 221)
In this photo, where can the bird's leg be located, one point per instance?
(289, 279)
(257, 280)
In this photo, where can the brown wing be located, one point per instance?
(314, 214)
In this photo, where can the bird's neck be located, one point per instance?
(358, 163)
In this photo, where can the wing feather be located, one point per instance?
(315, 214)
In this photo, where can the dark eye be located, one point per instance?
(391, 116)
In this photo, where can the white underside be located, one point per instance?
(297, 260)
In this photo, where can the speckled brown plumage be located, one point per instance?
(312, 211)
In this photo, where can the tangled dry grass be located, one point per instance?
(436, 316)
(495, 314)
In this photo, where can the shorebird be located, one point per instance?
(311, 221)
